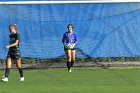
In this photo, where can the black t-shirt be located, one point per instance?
(13, 38)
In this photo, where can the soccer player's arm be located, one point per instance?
(76, 39)
(15, 43)
(64, 39)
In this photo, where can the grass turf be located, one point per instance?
(79, 81)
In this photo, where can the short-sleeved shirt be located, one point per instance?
(13, 38)
(14, 52)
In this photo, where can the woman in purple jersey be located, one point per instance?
(70, 40)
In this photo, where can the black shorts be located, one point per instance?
(14, 54)
(68, 49)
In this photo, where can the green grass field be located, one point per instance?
(79, 81)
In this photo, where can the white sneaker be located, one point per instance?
(22, 79)
(5, 79)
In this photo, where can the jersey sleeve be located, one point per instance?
(64, 39)
(76, 38)
(17, 37)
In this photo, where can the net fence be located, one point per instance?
(107, 33)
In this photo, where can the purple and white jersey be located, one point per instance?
(69, 38)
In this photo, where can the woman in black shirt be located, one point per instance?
(13, 53)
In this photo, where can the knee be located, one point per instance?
(69, 59)
(8, 66)
(18, 65)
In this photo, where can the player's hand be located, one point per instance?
(73, 45)
(7, 46)
(67, 46)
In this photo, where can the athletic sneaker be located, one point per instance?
(21, 78)
(69, 70)
(5, 79)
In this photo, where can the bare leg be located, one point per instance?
(72, 57)
(18, 64)
(8, 66)
(68, 54)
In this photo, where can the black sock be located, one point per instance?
(20, 71)
(72, 64)
(68, 65)
(7, 71)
